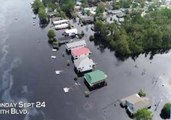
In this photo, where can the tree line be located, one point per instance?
(39, 8)
(137, 34)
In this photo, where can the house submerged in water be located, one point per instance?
(134, 102)
(95, 78)
(84, 64)
(76, 44)
(70, 32)
(80, 52)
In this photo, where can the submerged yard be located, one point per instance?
(35, 74)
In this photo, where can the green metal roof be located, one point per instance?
(95, 77)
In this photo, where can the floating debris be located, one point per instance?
(68, 63)
(66, 89)
(77, 84)
(75, 77)
(34, 23)
(58, 72)
(136, 66)
(34, 17)
(87, 93)
(143, 72)
(157, 105)
(63, 54)
(54, 50)
(53, 57)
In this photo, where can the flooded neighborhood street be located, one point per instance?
(28, 73)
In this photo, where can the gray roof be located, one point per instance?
(80, 43)
(132, 99)
(144, 103)
(87, 18)
(135, 102)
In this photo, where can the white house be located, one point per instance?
(70, 32)
(84, 64)
(91, 9)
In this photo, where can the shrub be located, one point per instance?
(68, 63)
(141, 93)
(165, 112)
(55, 44)
(51, 34)
(143, 114)
(91, 38)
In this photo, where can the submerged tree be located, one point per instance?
(141, 93)
(43, 15)
(99, 11)
(68, 6)
(165, 113)
(39, 8)
(51, 35)
(52, 6)
(36, 5)
(84, 3)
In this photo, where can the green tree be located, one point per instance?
(51, 35)
(122, 45)
(101, 28)
(142, 3)
(51, 6)
(45, 2)
(62, 14)
(55, 44)
(165, 113)
(88, 12)
(125, 3)
(43, 15)
(141, 93)
(98, 26)
(137, 34)
(100, 9)
(84, 3)
(68, 6)
(143, 114)
(115, 5)
(36, 5)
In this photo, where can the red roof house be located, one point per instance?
(80, 52)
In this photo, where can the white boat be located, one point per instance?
(53, 57)
(58, 72)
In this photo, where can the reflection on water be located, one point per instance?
(8, 81)
(7, 67)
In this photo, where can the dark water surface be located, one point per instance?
(28, 73)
